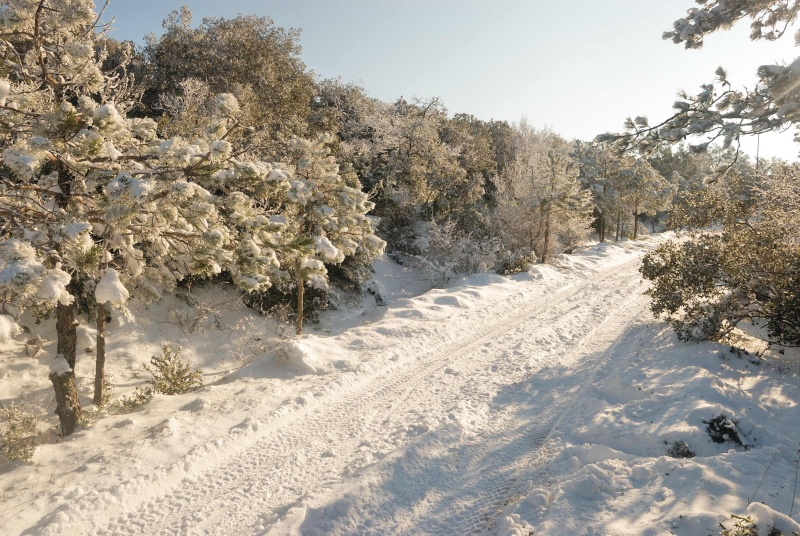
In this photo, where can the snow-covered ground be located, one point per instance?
(543, 403)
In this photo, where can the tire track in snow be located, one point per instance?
(482, 474)
(510, 467)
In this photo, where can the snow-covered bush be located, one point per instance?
(140, 396)
(680, 449)
(17, 433)
(722, 429)
(514, 262)
(170, 375)
(446, 252)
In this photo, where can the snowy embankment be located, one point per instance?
(542, 403)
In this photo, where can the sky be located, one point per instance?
(580, 67)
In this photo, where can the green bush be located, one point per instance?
(18, 433)
(140, 396)
(509, 263)
(170, 375)
(680, 449)
(707, 285)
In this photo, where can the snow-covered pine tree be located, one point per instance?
(600, 171)
(644, 191)
(49, 66)
(107, 206)
(620, 184)
(718, 111)
(323, 220)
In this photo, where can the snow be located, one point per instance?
(53, 288)
(227, 104)
(111, 289)
(59, 366)
(8, 328)
(326, 250)
(5, 91)
(542, 403)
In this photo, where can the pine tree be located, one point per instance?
(104, 202)
(718, 111)
(324, 220)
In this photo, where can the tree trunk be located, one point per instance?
(532, 240)
(546, 246)
(635, 220)
(100, 361)
(300, 292)
(68, 406)
(67, 331)
(619, 225)
(601, 231)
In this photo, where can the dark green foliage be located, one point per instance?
(246, 55)
(707, 286)
(687, 291)
(509, 263)
(280, 297)
(140, 396)
(723, 430)
(352, 273)
(745, 526)
(748, 271)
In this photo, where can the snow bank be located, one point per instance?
(8, 328)
(298, 356)
(110, 289)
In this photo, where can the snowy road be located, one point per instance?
(445, 421)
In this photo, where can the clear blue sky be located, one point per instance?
(579, 66)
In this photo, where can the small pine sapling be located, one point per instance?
(139, 397)
(17, 433)
(171, 375)
(680, 449)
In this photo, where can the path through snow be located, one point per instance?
(437, 429)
